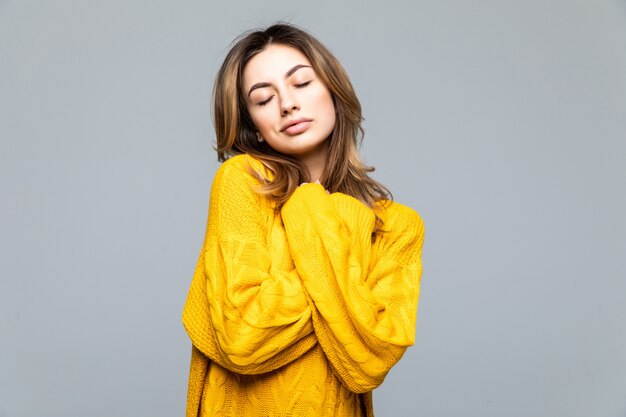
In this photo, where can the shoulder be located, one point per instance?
(238, 165)
(399, 216)
(240, 169)
(238, 183)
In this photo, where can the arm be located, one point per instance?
(365, 293)
(245, 309)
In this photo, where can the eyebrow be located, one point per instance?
(287, 75)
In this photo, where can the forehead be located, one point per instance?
(272, 63)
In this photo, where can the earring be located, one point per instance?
(259, 137)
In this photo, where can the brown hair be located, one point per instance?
(236, 134)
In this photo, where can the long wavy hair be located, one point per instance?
(236, 134)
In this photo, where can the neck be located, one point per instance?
(315, 161)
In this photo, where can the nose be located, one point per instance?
(288, 104)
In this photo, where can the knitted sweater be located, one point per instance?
(301, 312)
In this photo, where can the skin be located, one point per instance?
(280, 87)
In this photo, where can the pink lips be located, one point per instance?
(297, 126)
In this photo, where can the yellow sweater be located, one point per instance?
(298, 313)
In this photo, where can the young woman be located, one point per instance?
(306, 290)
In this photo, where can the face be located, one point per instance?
(289, 105)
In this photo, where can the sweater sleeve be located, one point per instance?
(246, 309)
(364, 291)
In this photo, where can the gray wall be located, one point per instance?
(502, 122)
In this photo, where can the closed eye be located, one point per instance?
(264, 102)
(301, 85)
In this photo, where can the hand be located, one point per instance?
(317, 181)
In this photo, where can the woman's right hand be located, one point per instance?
(317, 181)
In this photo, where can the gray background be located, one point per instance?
(502, 122)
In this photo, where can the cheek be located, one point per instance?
(328, 109)
(259, 118)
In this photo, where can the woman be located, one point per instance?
(306, 289)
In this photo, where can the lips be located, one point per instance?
(296, 126)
